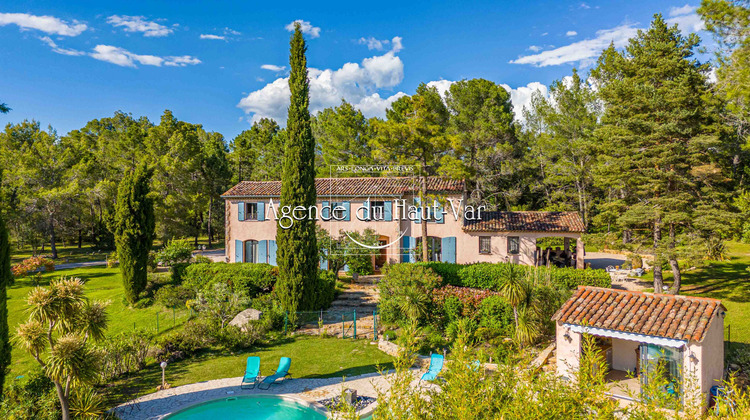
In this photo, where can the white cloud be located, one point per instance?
(55, 48)
(139, 24)
(125, 58)
(441, 85)
(686, 18)
(571, 33)
(520, 97)
(396, 44)
(584, 6)
(684, 10)
(582, 52)
(47, 24)
(212, 36)
(230, 31)
(373, 43)
(272, 67)
(358, 83)
(306, 27)
(535, 48)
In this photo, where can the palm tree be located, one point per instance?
(61, 321)
(513, 288)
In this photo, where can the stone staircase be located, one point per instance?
(360, 297)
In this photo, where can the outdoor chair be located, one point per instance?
(436, 365)
(252, 373)
(281, 373)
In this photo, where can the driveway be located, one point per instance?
(604, 259)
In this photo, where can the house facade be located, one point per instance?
(645, 334)
(457, 233)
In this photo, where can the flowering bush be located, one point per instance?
(31, 265)
(470, 298)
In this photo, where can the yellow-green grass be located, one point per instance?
(101, 284)
(312, 357)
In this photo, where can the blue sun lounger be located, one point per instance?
(252, 373)
(436, 365)
(281, 373)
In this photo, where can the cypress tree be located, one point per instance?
(5, 279)
(297, 254)
(134, 225)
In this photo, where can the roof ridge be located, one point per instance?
(641, 292)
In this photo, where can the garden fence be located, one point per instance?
(336, 323)
(162, 319)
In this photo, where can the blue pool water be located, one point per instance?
(257, 407)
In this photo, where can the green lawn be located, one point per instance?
(101, 284)
(312, 357)
(65, 254)
(726, 280)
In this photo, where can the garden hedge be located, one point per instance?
(251, 277)
(488, 275)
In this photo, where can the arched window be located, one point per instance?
(251, 251)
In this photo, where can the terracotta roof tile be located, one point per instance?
(670, 316)
(526, 221)
(358, 187)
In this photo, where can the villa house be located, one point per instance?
(642, 335)
(457, 233)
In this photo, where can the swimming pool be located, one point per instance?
(253, 407)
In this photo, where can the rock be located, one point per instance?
(245, 316)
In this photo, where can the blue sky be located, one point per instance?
(223, 64)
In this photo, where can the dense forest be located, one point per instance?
(650, 146)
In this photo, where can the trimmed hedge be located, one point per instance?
(251, 277)
(489, 275)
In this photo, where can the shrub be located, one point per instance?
(201, 259)
(253, 278)
(220, 304)
(636, 261)
(360, 264)
(152, 264)
(469, 298)
(495, 316)
(124, 353)
(30, 398)
(196, 335)
(405, 292)
(489, 276)
(325, 290)
(447, 271)
(173, 296)
(112, 259)
(31, 265)
(174, 252)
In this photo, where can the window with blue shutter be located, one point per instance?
(347, 210)
(388, 211)
(239, 250)
(240, 211)
(448, 249)
(262, 251)
(407, 247)
(326, 211)
(366, 206)
(272, 247)
(439, 215)
(261, 211)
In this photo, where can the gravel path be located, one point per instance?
(157, 405)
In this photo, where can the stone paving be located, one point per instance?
(159, 404)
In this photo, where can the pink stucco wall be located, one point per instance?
(467, 243)
(568, 352)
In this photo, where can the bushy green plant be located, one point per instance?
(447, 271)
(174, 252)
(405, 293)
(173, 296)
(202, 259)
(220, 304)
(124, 353)
(253, 278)
(30, 398)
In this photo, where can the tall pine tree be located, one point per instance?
(297, 253)
(658, 154)
(134, 225)
(5, 278)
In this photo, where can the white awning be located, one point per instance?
(641, 338)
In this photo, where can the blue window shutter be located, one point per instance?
(388, 211)
(347, 206)
(417, 202)
(272, 249)
(262, 251)
(448, 251)
(239, 250)
(240, 211)
(439, 215)
(407, 245)
(326, 211)
(261, 211)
